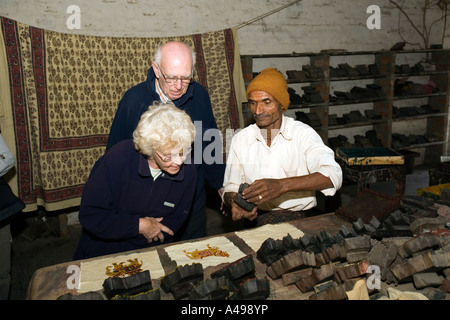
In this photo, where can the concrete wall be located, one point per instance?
(308, 25)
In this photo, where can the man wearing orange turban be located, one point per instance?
(283, 160)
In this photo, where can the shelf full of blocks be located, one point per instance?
(395, 99)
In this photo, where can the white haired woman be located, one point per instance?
(139, 192)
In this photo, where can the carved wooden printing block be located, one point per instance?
(237, 271)
(271, 250)
(182, 280)
(131, 285)
(240, 201)
(211, 289)
(154, 294)
(252, 289)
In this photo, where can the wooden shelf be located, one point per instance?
(386, 61)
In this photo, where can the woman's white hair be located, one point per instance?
(163, 127)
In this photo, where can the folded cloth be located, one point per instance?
(209, 252)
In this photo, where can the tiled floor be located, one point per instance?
(36, 243)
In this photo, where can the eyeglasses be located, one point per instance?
(173, 80)
(167, 158)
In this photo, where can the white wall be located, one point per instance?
(307, 26)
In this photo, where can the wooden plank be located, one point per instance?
(294, 276)
(408, 267)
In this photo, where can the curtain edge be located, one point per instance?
(6, 117)
(238, 76)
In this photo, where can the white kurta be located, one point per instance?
(297, 150)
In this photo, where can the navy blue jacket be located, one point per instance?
(119, 191)
(195, 102)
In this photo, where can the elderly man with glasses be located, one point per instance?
(170, 79)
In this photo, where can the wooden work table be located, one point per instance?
(49, 283)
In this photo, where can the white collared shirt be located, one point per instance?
(297, 150)
(155, 172)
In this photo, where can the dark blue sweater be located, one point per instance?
(119, 191)
(195, 102)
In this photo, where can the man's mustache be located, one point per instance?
(256, 116)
